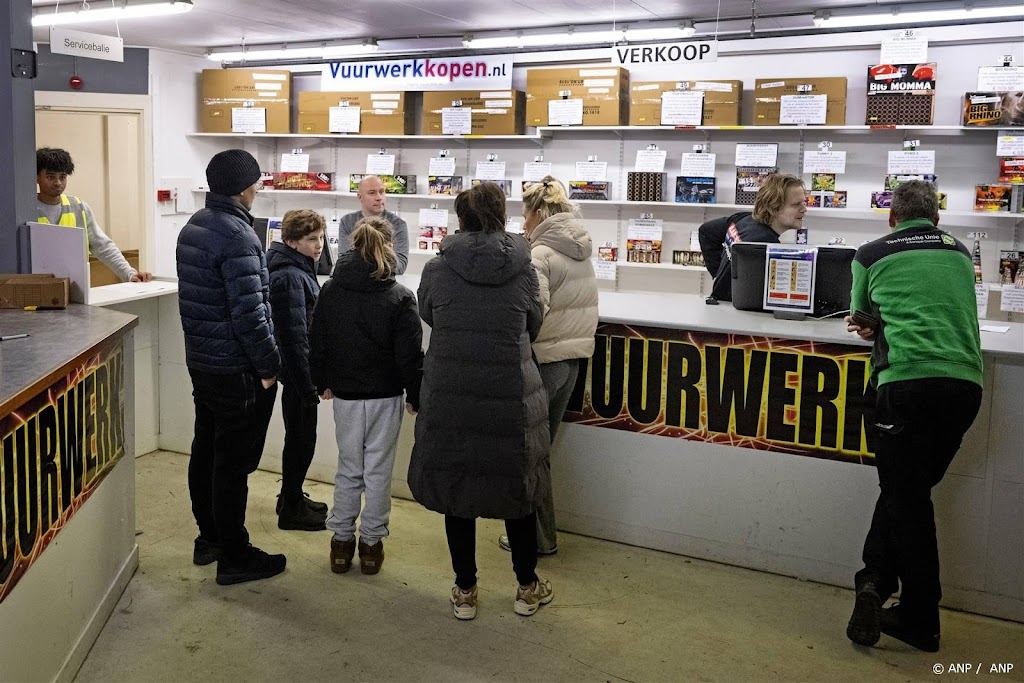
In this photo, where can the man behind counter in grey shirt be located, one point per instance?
(372, 198)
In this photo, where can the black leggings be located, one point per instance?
(522, 536)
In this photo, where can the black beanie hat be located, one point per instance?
(232, 171)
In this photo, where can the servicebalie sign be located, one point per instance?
(492, 72)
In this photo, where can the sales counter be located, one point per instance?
(731, 436)
(67, 484)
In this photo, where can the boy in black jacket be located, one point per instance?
(293, 293)
(367, 352)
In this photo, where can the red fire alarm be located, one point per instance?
(163, 195)
(76, 83)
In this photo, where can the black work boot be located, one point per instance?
(310, 503)
(205, 552)
(295, 515)
(864, 628)
(895, 623)
(252, 564)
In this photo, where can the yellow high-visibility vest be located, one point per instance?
(69, 215)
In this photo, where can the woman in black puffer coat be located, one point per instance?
(482, 431)
(293, 293)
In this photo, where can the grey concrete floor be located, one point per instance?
(619, 614)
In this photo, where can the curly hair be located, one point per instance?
(54, 160)
(298, 223)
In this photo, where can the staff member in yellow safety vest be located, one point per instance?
(53, 166)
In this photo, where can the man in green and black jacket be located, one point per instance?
(913, 294)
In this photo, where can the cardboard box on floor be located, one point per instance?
(604, 90)
(380, 113)
(226, 89)
(100, 274)
(37, 289)
(721, 101)
(768, 94)
(496, 112)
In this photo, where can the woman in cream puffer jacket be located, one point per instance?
(560, 248)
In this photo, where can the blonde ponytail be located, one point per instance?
(372, 239)
(546, 198)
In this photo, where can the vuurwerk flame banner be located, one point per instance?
(55, 450)
(761, 393)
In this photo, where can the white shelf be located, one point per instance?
(550, 131)
(660, 266)
(851, 214)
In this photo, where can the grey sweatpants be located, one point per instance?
(559, 379)
(367, 433)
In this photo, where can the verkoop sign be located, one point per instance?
(455, 73)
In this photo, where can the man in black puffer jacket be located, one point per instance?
(224, 301)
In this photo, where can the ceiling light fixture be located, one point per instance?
(826, 19)
(135, 10)
(264, 53)
(685, 29)
(523, 39)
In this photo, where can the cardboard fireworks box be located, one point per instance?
(994, 109)
(604, 91)
(42, 290)
(695, 190)
(901, 94)
(1009, 265)
(590, 189)
(1011, 170)
(721, 101)
(380, 113)
(501, 112)
(505, 185)
(444, 184)
(749, 180)
(992, 197)
(768, 94)
(321, 182)
(393, 184)
(645, 186)
(607, 252)
(224, 90)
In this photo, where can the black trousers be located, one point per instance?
(920, 425)
(299, 411)
(522, 536)
(232, 416)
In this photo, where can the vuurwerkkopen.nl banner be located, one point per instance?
(493, 72)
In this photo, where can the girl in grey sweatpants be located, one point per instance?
(367, 355)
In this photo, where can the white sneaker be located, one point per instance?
(464, 603)
(530, 598)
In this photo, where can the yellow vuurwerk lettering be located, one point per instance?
(805, 400)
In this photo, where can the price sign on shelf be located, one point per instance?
(1010, 146)
(824, 162)
(591, 171)
(682, 107)
(650, 160)
(248, 120)
(803, 109)
(490, 170)
(535, 171)
(380, 164)
(456, 121)
(906, 46)
(294, 163)
(913, 162)
(760, 154)
(565, 112)
(698, 165)
(604, 270)
(343, 119)
(434, 218)
(442, 166)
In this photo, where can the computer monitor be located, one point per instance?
(833, 278)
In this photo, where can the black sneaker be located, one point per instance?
(310, 503)
(205, 552)
(894, 624)
(252, 565)
(298, 516)
(864, 628)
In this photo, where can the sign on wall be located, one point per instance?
(768, 394)
(54, 452)
(490, 72)
(91, 45)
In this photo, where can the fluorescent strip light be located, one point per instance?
(684, 30)
(893, 19)
(264, 53)
(153, 9)
(544, 39)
